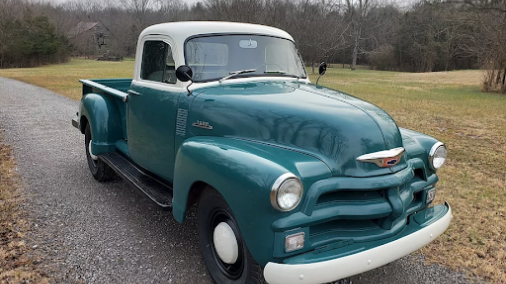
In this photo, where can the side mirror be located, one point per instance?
(184, 73)
(323, 68)
(321, 71)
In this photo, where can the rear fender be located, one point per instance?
(243, 172)
(102, 113)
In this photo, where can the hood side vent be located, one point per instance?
(182, 118)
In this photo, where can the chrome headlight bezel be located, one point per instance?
(432, 153)
(276, 189)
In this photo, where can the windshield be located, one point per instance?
(216, 57)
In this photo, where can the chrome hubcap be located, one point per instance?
(225, 243)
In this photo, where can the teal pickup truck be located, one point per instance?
(294, 182)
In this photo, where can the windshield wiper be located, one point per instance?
(235, 73)
(275, 72)
(282, 73)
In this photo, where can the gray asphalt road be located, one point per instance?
(88, 232)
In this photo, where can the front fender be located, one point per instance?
(104, 118)
(243, 172)
(418, 145)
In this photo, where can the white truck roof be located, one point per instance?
(180, 31)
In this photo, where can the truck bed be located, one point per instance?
(115, 87)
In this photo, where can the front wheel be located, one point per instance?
(223, 247)
(100, 170)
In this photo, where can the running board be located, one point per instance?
(156, 190)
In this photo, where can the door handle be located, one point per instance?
(131, 92)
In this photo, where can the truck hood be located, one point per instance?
(329, 125)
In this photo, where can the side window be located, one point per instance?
(157, 62)
(170, 67)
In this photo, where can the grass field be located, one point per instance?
(446, 105)
(64, 79)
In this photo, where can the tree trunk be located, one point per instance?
(503, 76)
(355, 48)
(354, 57)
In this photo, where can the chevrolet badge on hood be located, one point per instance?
(383, 159)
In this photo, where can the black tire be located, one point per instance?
(212, 210)
(100, 170)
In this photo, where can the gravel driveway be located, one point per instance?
(88, 232)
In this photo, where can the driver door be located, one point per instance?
(151, 109)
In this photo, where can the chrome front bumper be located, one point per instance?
(331, 270)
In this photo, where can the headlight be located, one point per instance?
(437, 156)
(286, 192)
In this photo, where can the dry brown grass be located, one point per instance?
(451, 107)
(462, 78)
(15, 265)
(446, 105)
(64, 78)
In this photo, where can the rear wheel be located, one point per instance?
(223, 247)
(100, 170)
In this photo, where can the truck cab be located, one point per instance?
(294, 182)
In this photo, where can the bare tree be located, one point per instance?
(487, 40)
(320, 30)
(248, 11)
(357, 13)
(139, 10)
(171, 11)
(429, 35)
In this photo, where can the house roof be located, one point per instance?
(82, 27)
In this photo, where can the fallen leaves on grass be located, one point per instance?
(15, 265)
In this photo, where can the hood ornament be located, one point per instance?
(383, 159)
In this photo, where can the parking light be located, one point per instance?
(294, 242)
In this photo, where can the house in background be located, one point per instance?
(90, 39)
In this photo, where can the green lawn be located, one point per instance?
(446, 105)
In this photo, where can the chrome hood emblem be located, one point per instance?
(383, 159)
(202, 124)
